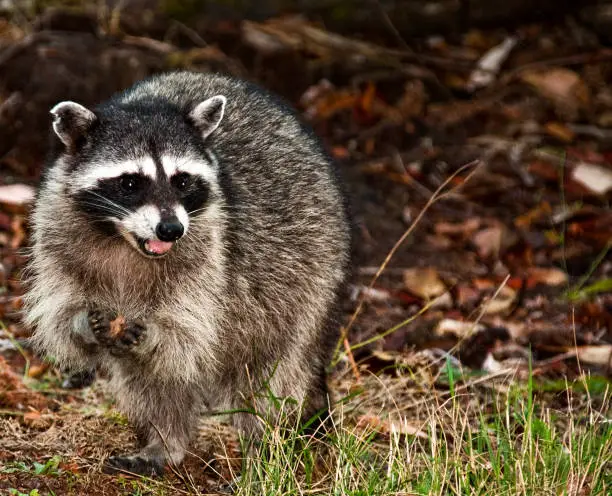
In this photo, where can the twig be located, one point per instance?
(148, 43)
(301, 36)
(193, 36)
(396, 34)
(349, 354)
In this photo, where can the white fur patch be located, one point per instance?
(182, 216)
(89, 179)
(196, 167)
(142, 222)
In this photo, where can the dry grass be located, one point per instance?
(425, 427)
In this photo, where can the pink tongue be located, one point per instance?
(158, 247)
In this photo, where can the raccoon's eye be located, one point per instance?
(130, 183)
(182, 181)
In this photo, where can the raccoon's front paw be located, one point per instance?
(115, 332)
(79, 380)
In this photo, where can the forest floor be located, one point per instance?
(477, 346)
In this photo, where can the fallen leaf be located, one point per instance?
(490, 63)
(516, 329)
(70, 467)
(465, 228)
(412, 102)
(597, 355)
(483, 284)
(491, 365)
(549, 276)
(444, 301)
(560, 131)
(544, 169)
(424, 282)
(457, 328)
(541, 212)
(16, 195)
(488, 241)
(370, 294)
(594, 177)
(340, 152)
(467, 295)
(502, 302)
(31, 417)
(35, 420)
(563, 87)
(386, 427)
(35, 371)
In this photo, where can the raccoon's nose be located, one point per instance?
(169, 230)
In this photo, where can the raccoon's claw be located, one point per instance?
(135, 464)
(99, 322)
(132, 334)
(126, 335)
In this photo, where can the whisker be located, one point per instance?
(121, 208)
(106, 207)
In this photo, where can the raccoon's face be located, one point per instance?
(139, 171)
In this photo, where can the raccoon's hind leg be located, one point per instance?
(164, 417)
(303, 398)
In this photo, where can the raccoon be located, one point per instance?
(191, 240)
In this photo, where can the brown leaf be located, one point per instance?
(35, 371)
(563, 87)
(466, 295)
(503, 301)
(385, 427)
(31, 417)
(560, 131)
(457, 328)
(36, 420)
(412, 102)
(549, 276)
(542, 211)
(489, 241)
(424, 282)
(465, 228)
(596, 355)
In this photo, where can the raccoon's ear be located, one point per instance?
(208, 114)
(71, 121)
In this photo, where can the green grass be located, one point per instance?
(501, 443)
(50, 467)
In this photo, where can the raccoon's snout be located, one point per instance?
(169, 230)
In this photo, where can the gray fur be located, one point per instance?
(245, 299)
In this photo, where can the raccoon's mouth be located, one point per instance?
(154, 247)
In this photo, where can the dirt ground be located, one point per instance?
(490, 192)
